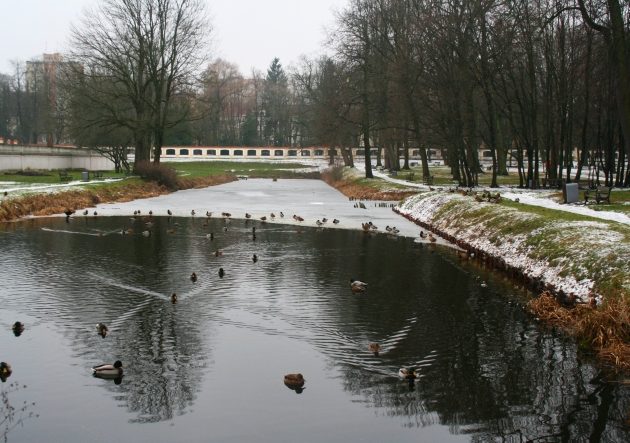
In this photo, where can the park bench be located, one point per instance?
(64, 176)
(601, 193)
(427, 179)
(96, 175)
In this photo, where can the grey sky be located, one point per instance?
(249, 33)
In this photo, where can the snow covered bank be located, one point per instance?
(565, 253)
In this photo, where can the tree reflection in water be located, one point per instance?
(486, 369)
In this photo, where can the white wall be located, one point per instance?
(38, 157)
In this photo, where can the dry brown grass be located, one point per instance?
(606, 328)
(57, 203)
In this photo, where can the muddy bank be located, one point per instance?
(360, 191)
(42, 204)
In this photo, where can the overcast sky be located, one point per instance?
(249, 33)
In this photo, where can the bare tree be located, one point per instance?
(149, 52)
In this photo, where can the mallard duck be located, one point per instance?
(263, 218)
(221, 272)
(357, 286)
(192, 213)
(102, 329)
(168, 211)
(388, 229)
(281, 214)
(324, 220)
(193, 277)
(248, 215)
(210, 236)
(366, 227)
(173, 298)
(150, 213)
(407, 373)
(335, 221)
(109, 369)
(218, 253)
(272, 215)
(86, 212)
(432, 239)
(294, 382)
(254, 258)
(362, 205)
(68, 212)
(5, 371)
(208, 214)
(318, 222)
(95, 213)
(422, 234)
(374, 348)
(18, 328)
(226, 214)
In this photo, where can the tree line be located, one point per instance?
(543, 85)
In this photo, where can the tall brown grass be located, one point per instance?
(606, 329)
(57, 203)
(359, 191)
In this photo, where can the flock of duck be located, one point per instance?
(294, 381)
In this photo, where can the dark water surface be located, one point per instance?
(211, 366)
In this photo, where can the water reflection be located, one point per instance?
(484, 369)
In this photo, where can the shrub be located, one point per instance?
(161, 174)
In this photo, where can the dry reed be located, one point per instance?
(606, 329)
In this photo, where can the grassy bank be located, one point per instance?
(583, 262)
(355, 186)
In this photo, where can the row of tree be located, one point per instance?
(533, 82)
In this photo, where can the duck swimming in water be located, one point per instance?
(357, 286)
(193, 277)
(221, 272)
(254, 258)
(173, 298)
(18, 328)
(5, 371)
(407, 373)
(374, 348)
(102, 329)
(294, 382)
(108, 370)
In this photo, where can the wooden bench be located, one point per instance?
(601, 193)
(96, 175)
(64, 176)
(427, 179)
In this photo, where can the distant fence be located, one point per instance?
(15, 157)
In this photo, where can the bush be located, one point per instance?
(161, 174)
(333, 174)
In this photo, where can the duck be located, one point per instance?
(5, 371)
(95, 213)
(221, 272)
(272, 215)
(372, 226)
(254, 258)
(171, 231)
(102, 329)
(294, 382)
(86, 212)
(366, 227)
(168, 211)
(432, 239)
(192, 213)
(362, 205)
(150, 213)
(226, 214)
(263, 218)
(193, 277)
(407, 373)
(173, 298)
(146, 233)
(374, 348)
(210, 236)
(388, 228)
(218, 253)
(248, 215)
(335, 221)
(281, 214)
(208, 214)
(108, 369)
(324, 220)
(422, 234)
(357, 286)
(319, 222)
(18, 328)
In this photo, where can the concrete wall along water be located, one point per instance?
(13, 157)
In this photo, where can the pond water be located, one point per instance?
(210, 367)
